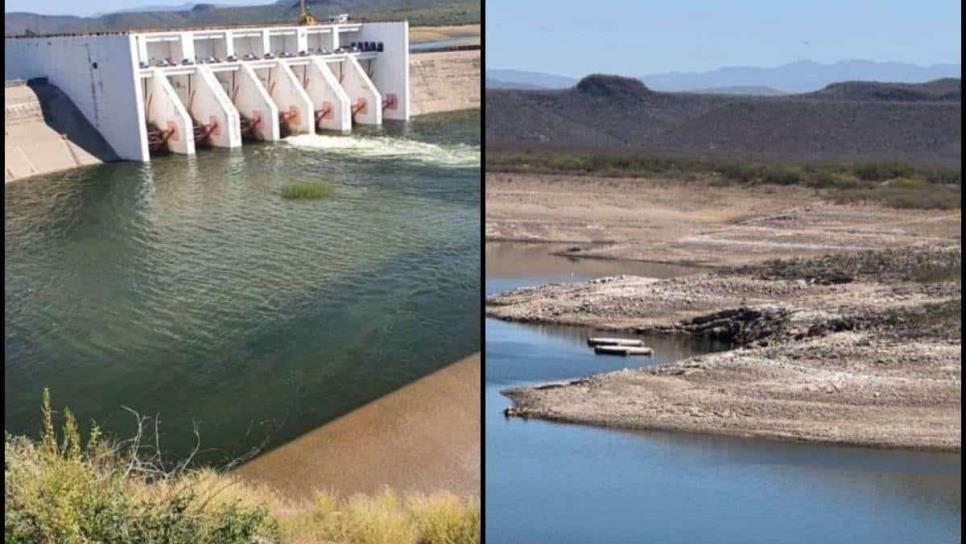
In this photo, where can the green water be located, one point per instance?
(189, 289)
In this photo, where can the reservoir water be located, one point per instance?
(444, 44)
(553, 482)
(187, 288)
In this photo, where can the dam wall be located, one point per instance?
(112, 77)
(390, 72)
(323, 77)
(97, 72)
(44, 133)
(445, 81)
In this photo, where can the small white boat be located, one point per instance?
(614, 342)
(623, 350)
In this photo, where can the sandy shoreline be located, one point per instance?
(423, 437)
(862, 348)
(695, 222)
(422, 34)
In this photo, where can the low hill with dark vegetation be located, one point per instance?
(418, 12)
(847, 122)
(942, 90)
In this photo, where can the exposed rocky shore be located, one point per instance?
(856, 348)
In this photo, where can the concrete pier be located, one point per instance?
(165, 112)
(365, 100)
(257, 111)
(295, 111)
(331, 103)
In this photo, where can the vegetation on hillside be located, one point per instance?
(417, 12)
(895, 184)
(66, 490)
(848, 122)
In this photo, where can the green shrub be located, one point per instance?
(744, 172)
(60, 490)
(65, 492)
(829, 177)
(302, 190)
(916, 195)
(881, 171)
(782, 175)
(907, 184)
(944, 176)
(567, 163)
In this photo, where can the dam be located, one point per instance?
(177, 91)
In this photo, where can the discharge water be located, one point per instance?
(553, 482)
(189, 289)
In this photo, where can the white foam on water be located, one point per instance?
(458, 155)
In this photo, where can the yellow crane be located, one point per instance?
(306, 18)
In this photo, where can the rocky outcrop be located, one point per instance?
(874, 360)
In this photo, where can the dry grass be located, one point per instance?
(64, 491)
(902, 193)
(893, 184)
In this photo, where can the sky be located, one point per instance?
(90, 7)
(635, 38)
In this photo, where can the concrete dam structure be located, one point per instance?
(445, 81)
(44, 132)
(179, 90)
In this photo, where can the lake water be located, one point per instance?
(553, 482)
(190, 289)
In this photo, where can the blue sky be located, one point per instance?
(89, 7)
(574, 38)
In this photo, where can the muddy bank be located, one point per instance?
(696, 222)
(422, 438)
(859, 348)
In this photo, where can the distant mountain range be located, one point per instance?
(802, 76)
(750, 90)
(187, 6)
(849, 121)
(797, 77)
(517, 79)
(498, 84)
(418, 12)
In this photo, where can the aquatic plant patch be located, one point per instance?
(305, 191)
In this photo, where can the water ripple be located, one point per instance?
(190, 288)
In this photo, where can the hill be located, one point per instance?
(797, 77)
(519, 79)
(801, 76)
(753, 90)
(946, 90)
(844, 122)
(418, 12)
(497, 84)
